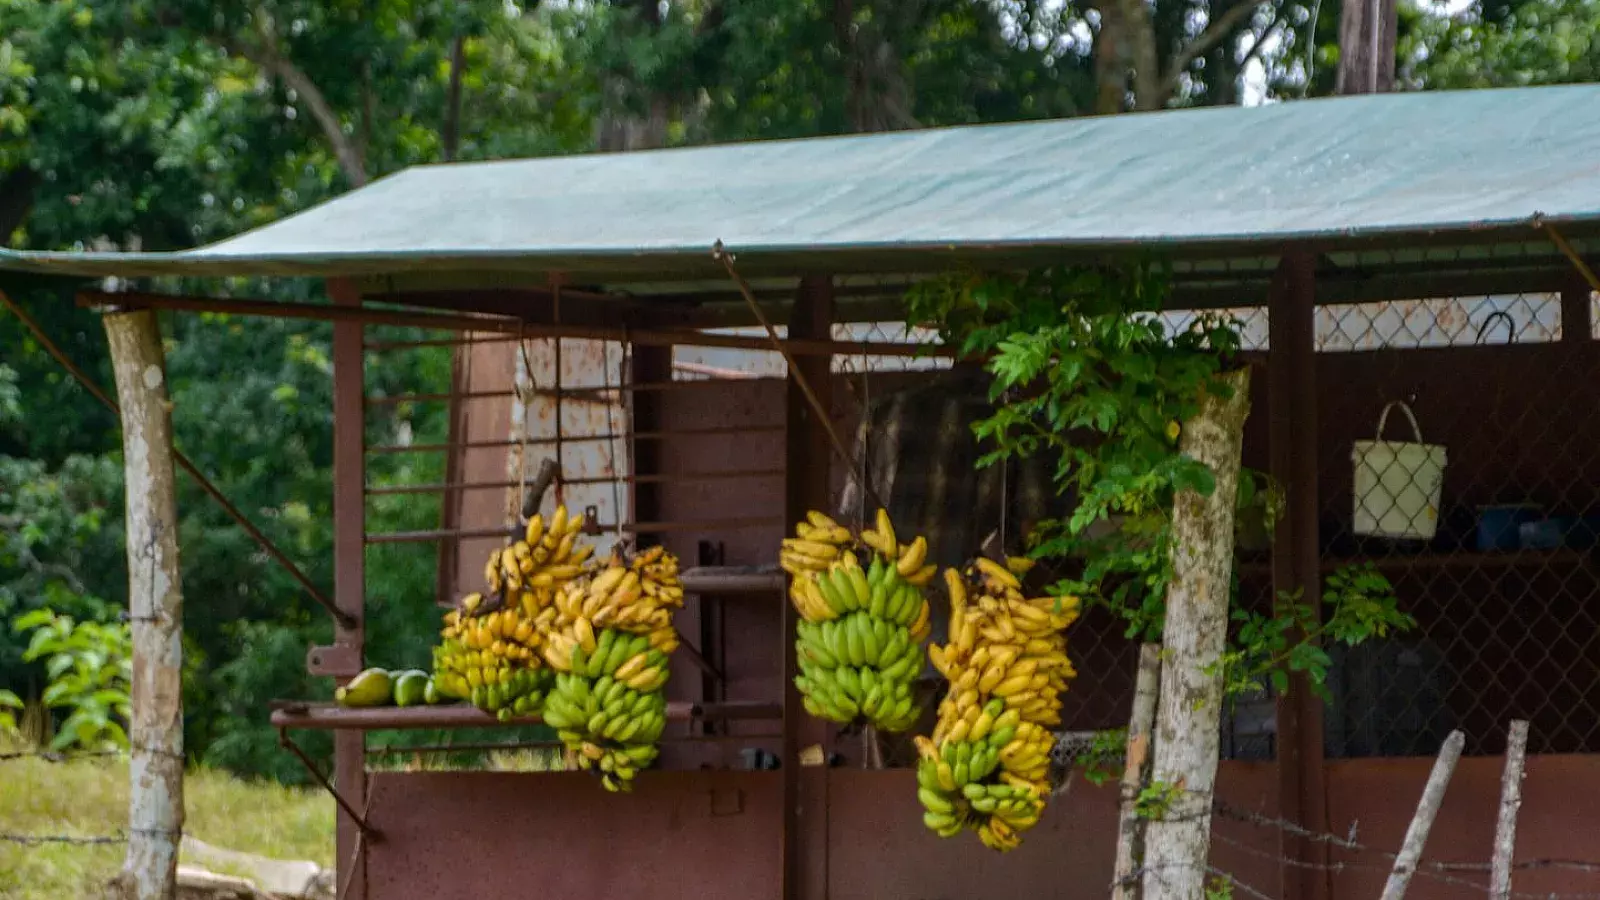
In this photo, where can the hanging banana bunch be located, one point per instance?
(860, 639)
(609, 639)
(491, 648)
(987, 765)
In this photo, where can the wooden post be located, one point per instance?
(1189, 714)
(1296, 565)
(155, 606)
(349, 572)
(808, 455)
(1130, 826)
(1505, 826)
(1405, 864)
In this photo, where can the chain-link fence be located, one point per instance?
(1455, 455)
(1477, 500)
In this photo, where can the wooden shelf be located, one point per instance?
(1427, 562)
(733, 580)
(329, 716)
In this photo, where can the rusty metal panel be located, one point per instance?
(498, 367)
(878, 847)
(572, 364)
(1555, 822)
(475, 835)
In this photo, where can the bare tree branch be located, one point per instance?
(269, 60)
(1216, 31)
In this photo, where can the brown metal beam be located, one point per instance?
(349, 565)
(705, 527)
(330, 717)
(662, 478)
(716, 431)
(805, 788)
(1292, 410)
(505, 325)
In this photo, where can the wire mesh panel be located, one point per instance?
(1456, 456)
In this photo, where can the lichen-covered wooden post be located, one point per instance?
(155, 602)
(1189, 712)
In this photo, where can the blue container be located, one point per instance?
(1499, 527)
(1547, 534)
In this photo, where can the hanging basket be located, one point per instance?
(1397, 483)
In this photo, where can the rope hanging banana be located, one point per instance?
(860, 641)
(987, 765)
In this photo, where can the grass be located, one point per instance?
(90, 797)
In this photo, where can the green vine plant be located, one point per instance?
(90, 670)
(1086, 373)
(10, 705)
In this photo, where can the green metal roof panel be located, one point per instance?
(1337, 168)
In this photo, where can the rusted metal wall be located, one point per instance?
(1559, 798)
(714, 834)
(475, 835)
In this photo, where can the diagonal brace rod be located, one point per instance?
(284, 741)
(721, 254)
(344, 619)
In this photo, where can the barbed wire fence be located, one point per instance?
(1378, 860)
(56, 757)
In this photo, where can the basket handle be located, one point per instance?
(1383, 418)
(1501, 316)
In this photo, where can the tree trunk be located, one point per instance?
(350, 156)
(155, 600)
(1110, 63)
(1130, 827)
(1188, 718)
(450, 137)
(1366, 53)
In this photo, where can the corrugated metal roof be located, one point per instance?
(1395, 164)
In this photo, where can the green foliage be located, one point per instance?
(1361, 605)
(90, 667)
(1100, 762)
(10, 705)
(1090, 376)
(1155, 799)
(1087, 373)
(1510, 43)
(1220, 888)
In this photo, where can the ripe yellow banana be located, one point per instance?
(910, 562)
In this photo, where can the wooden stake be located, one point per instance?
(1189, 713)
(1427, 808)
(1505, 826)
(1130, 827)
(155, 601)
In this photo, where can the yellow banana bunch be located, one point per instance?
(987, 765)
(491, 659)
(491, 653)
(609, 637)
(546, 557)
(860, 641)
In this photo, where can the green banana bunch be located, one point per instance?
(491, 682)
(860, 661)
(610, 726)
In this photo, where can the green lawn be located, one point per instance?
(90, 797)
